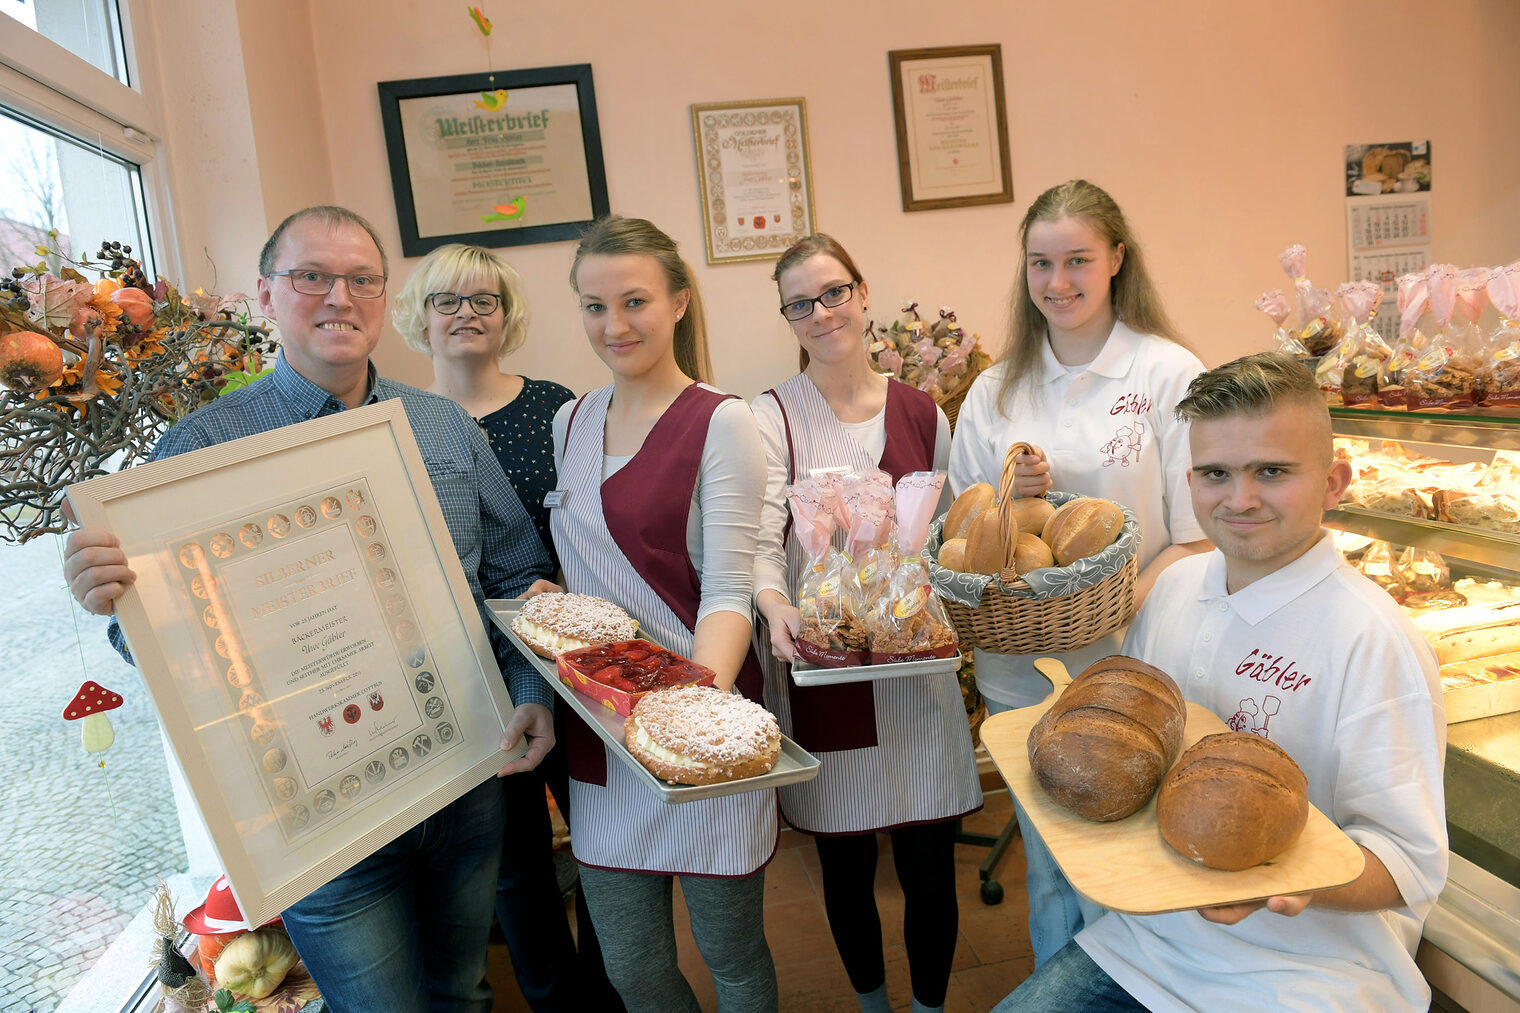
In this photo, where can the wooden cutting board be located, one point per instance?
(1125, 865)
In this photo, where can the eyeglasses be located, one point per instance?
(447, 303)
(801, 309)
(360, 286)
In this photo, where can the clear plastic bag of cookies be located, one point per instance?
(909, 623)
(1422, 570)
(868, 514)
(827, 636)
(1313, 326)
(1499, 374)
(1379, 565)
(1275, 304)
(1365, 354)
(1445, 374)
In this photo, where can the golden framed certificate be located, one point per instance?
(310, 642)
(755, 177)
(952, 130)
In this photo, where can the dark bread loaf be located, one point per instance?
(1108, 740)
(1234, 801)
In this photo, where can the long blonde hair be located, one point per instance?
(1135, 300)
(615, 235)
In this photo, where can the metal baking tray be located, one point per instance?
(805, 673)
(795, 763)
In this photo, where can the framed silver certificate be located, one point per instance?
(310, 642)
(755, 175)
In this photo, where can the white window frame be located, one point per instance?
(44, 81)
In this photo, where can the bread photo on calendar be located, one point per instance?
(702, 735)
(618, 675)
(555, 622)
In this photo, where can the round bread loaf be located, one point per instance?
(968, 506)
(1031, 553)
(952, 555)
(1082, 528)
(1032, 513)
(1235, 800)
(1107, 741)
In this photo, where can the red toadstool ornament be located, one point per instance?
(89, 708)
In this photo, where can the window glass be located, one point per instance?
(83, 844)
(90, 29)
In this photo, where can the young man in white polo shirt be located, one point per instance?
(1278, 636)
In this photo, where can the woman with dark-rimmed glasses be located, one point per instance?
(896, 754)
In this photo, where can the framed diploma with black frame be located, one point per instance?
(302, 622)
(952, 130)
(500, 159)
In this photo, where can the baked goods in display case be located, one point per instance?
(555, 621)
(1234, 800)
(702, 735)
(1471, 621)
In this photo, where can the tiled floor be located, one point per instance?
(991, 957)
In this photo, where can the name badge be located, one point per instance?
(555, 499)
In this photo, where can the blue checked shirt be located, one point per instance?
(496, 541)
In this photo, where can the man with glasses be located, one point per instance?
(405, 930)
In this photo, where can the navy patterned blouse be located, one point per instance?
(521, 434)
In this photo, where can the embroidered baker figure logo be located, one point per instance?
(1126, 445)
(1254, 718)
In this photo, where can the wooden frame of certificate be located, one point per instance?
(500, 159)
(755, 175)
(952, 127)
(310, 642)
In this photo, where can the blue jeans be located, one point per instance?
(406, 929)
(1056, 913)
(1069, 983)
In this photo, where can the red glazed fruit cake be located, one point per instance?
(619, 674)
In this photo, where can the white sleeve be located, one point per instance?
(560, 427)
(770, 552)
(730, 489)
(942, 458)
(970, 461)
(1177, 452)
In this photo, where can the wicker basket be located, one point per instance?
(1013, 618)
(1008, 624)
(951, 405)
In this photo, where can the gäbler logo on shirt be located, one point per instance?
(1131, 404)
(1273, 668)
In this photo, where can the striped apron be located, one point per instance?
(625, 540)
(893, 752)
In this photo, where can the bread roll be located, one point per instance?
(1031, 553)
(984, 544)
(1032, 512)
(1234, 801)
(968, 506)
(1107, 741)
(1082, 528)
(952, 555)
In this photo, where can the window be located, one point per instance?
(90, 29)
(84, 845)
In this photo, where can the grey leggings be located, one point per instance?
(632, 912)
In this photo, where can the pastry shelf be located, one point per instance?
(1494, 549)
(1485, 432)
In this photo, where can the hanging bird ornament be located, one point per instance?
(481, 21)
(492, 101)
(89, 708)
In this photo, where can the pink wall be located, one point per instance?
(1219, 128)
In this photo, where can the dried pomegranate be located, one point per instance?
(29, 361)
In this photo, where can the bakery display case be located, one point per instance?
(1445, 491)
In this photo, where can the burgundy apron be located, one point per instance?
(624, 539)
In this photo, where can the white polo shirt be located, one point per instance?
(1321, 661)
(1108, 430)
